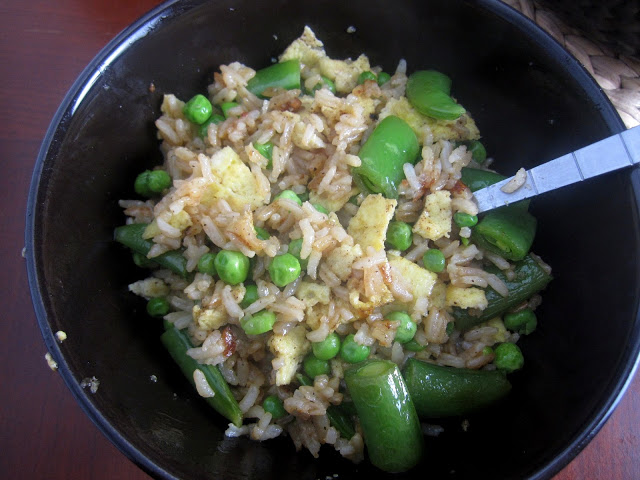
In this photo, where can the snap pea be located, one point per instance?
(428, 92)
(478, 152)
(131, 236)
(508, 232)
(392, 144)
(529, 278)
(279, 75)
(439, 391)
(177, 343)
(387, 415)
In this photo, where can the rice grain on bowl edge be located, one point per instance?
(230, 194)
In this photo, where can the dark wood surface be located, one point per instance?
(44, 45)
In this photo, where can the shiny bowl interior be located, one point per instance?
(531, 101)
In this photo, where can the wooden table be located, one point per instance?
(44, 45)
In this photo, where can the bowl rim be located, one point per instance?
(169, 10)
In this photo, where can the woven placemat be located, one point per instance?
(617, 74)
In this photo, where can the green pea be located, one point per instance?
(463, 219)
(204, 128)
(198, 109)
(304, 196)
(478, 152)
(141, 184)
(353, 352)
(320, 208)
(262, 234)
(158, 307)
(327, 348)
(399, 235)
(159, 180)
(206, 264)
(508, 357)
(142, 261)
(273, 405)
(313, 366)
(231, 266)
(284, 269)
(434, 260)
(465, 241)
(407, 328)
(487, 350)
(250, 295)
(289, 195)
(294, 249)
(383, 77)
(225, 107)
(364, 76)
(523, 322)
(324, 83)
(258, 323)
(413, 346)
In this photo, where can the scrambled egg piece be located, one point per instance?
(289, 351)
(367, 306)
(419, 280)
(150, 288)
(340, 259)
(439, 296)
(209, 318)
(180, 220)
(502, 333)
(368, 227)
(310, 51)
(468, 297)
(435, 220)
(313, 293)
(464, 128)
(233, 182)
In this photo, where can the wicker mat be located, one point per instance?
(618, 74)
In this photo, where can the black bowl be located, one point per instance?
(532, 102)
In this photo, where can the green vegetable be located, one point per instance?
(439, 391)
(294, 249)
(392, 144)
(429, 91)
(273, 405)
(158, 306)
(399, 235)
(413, 346)
(289, 195)
(204, 128)
(327, 348)
(463, 219)
(258, 323)
(314, 366)
(151, 182)
(225, 107)
(284, 269)
(198, 109)
(177, 343)
(320, 208)
(324, 83)
(388, 418)
(250, 295)
(478, 152)
(279, 75)
(507, 231)
(231, 266)
(508, 357)
(131, 236)
(383, 77)
(353, 352)
(407, 328)
(266, 150)
(364, 76)
(262, 234)
(142, 261)
(523, 322)
(206, 264)
(529, 278)
(433, 260)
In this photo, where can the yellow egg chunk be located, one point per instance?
(368, 227)
(435, 220)
(419, 280)
(466, 297)
(289, 350)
